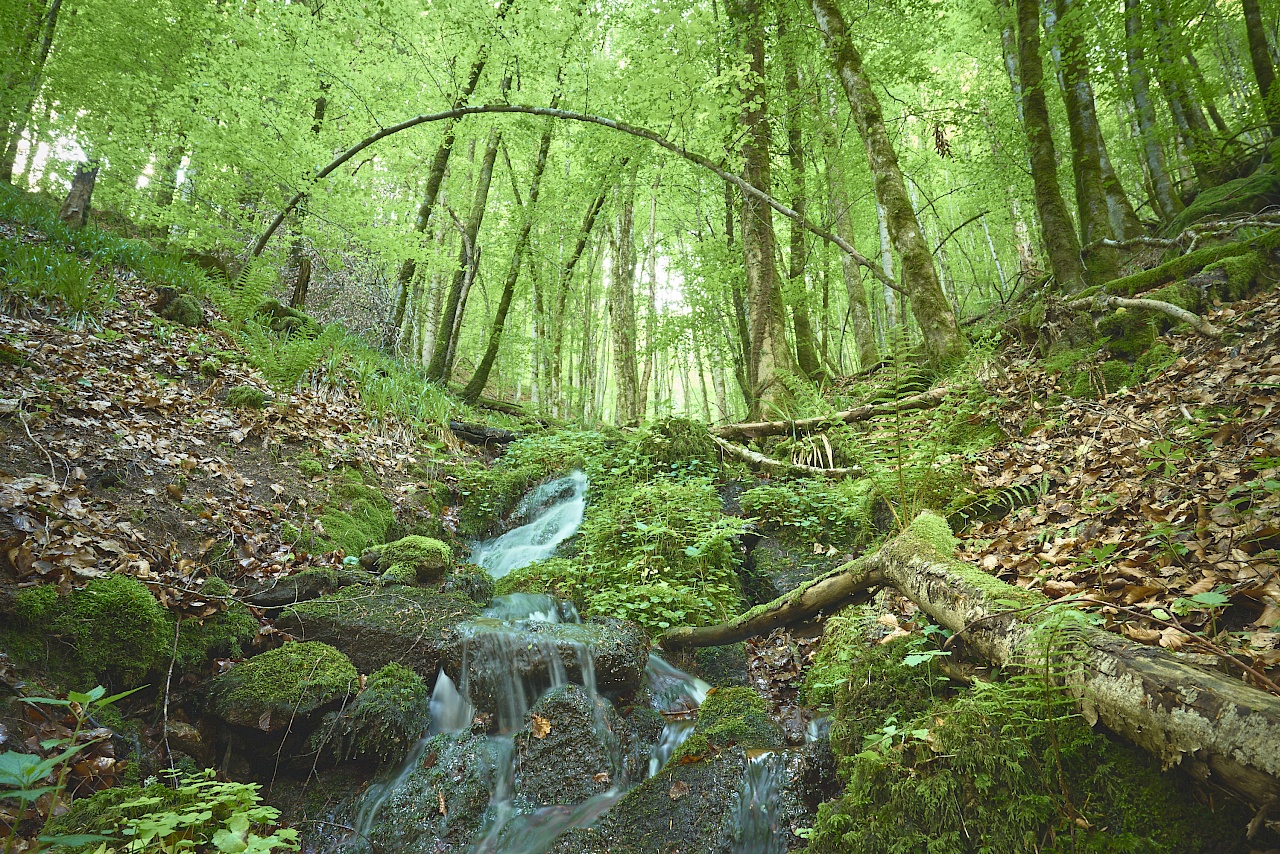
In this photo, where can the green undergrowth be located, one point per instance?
(357, 517)
(802, 511)
(729, 717)
(1009, 766)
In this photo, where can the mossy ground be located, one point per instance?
(359, 517)
(728, 717)
(384, 720)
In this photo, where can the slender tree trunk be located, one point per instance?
(770, 355)
(22, 118)
(1167, 201)
(929, 305)
(807, 358)
(1101, 262)
(891, 318)
(1059, 233)
(1204, 95)
(622, 310)
(1263, 69)
(565, 280)
(650, 270)
(741, 347)
(475, 387)
(1190, 123)
(451, 319)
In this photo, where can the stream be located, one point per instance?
(513, 655)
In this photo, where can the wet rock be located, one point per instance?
(719, 666)
(777, 567)
(286, 687)
(472, 582)
(729, 717)
(569, 749)
(300, 587)
(383, 722)
(541, 654)
(409, 560)
(440, 805)
(375, 626)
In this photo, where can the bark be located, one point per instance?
(770, 355)
(1167, 201)
(929, 305)
(1219, 728)
(1059, 233)
(481, 376)
(75, 210)
(798, 292)
(622, 311)
(298, 299)
(649, 269)
(1178, 313)
(1263, 70)
(761, 429)
(22, 117)
(451, 318)
(1101, 262)
(741, 345)
(565, 280)
(1187, 118)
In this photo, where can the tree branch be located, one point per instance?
(1180, 314)
(760, 429)
(761, 461)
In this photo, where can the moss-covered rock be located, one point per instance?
(245, 397)
(1101, 380)
(729, 717)
(579, 756)
(224, 634)
(1240, 274)
(471, 581)
(361, 517)
(304, 586)
(408, 625)
(559, 577)
(1129, 333)
(679, 443)
(184, 309)
(283, 685)
(718, 666)
(409, 560)
(286, 321)
(111, 629)
(1250, 194)
(384, 721)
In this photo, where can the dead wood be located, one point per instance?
(479, 434)
(1180, 314)
(760, 429)
(759, 460)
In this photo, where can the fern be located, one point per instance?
(239, 300)
(285, 359)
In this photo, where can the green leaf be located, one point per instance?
(75, 840)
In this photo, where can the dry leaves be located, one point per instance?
(539, 726)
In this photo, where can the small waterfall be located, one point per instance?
(758, 804)
(674, 692)
(556, 510)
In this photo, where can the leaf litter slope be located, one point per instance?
(1163, 499)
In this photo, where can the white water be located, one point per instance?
(557, 508)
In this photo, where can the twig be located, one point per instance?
(53, 470)
(168, 752)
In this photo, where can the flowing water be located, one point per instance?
(509, 660)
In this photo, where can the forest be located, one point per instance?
(737, 426)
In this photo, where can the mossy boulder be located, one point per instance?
(286, 321)
(360, 516)
(284, 685)
(1128, 333)
(112, 629)
(311, 467)
(440, 805)
(728, 717)
(409, 560)
(184, 309)
(580, 755)
(718, 666)
(777, 564)
(1250, 194)
(245, 397)
(384, 721)
(224, 634)
(374, 626)
(471, 581)
(1235, 276)
(301, 586)
(679, 442)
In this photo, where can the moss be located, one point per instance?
(679, 443)
(295, 679)
(1065, 360)
(224, 634)
(1179, 268)
(364, 519)
(1181, 294)
(385, 719)
(1241, 271)
(560, 577)
(310, 467)
(728, 717)
(934, 530)
(185, 310)
(410, 560)
(102, 812)
(210, 368)
(471, 581)
(285, 320)
(1154, 361)
(1109, 377)
(246, 397)
(111, 628)
(1249, 194)
(1128, 333)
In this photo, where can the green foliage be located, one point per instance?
(45, 272)
(294, 679)
(111, 627)
(224, 634)
(811, 510)
(239, 300)
(362, 518)
(285, 358)
(210, 368)
(679, 443)
(246, 397)
(560, 577)
(310, 466)
(384, 720)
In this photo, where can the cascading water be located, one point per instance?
(757, 830)
(556, 507)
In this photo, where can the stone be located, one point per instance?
(300, 587)
(580, 755)
(284, 687)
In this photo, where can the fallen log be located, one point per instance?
(759, 460)
(1216, 727)
(479, 434)
(760, 429)
(1178, 313)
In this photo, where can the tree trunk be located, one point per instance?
(1190, 124)
(22, 118)
(770, 355)
(1263, 71)
(741, 345)
(1059, 233)
(75, 210)
(649, 270)
(475, 387)
(1167, 201)
(298, 299)
(797, 289)
(1224, 731)
(929, 305)
(450, 319)
(558, 320)
(622, 310)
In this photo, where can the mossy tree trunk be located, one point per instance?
(929, 305)
(622, 308)
(1219, 729)
(1263, 70)
(1059, 232)
(1167, 202)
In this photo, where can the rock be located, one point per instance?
(729, 717)
(245, 397)
(471, 581)
(495, 655)
(569, 749)
(178, 307)
(384, 721)
(776, 567)
(409, 560)
(718, 666)
(300, 587)
(286, 321)
(284, 687)
(373, 626)
(440, 805)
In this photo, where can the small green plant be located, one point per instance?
(26, 777)
(1213, 601)
(1163, 456)
(1098, 557)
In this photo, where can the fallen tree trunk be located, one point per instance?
(1178, 313)
(770, 464)
(1216, 727)
(479, 434)
(760, 429)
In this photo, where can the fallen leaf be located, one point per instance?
(678, 790)
(539, 725)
